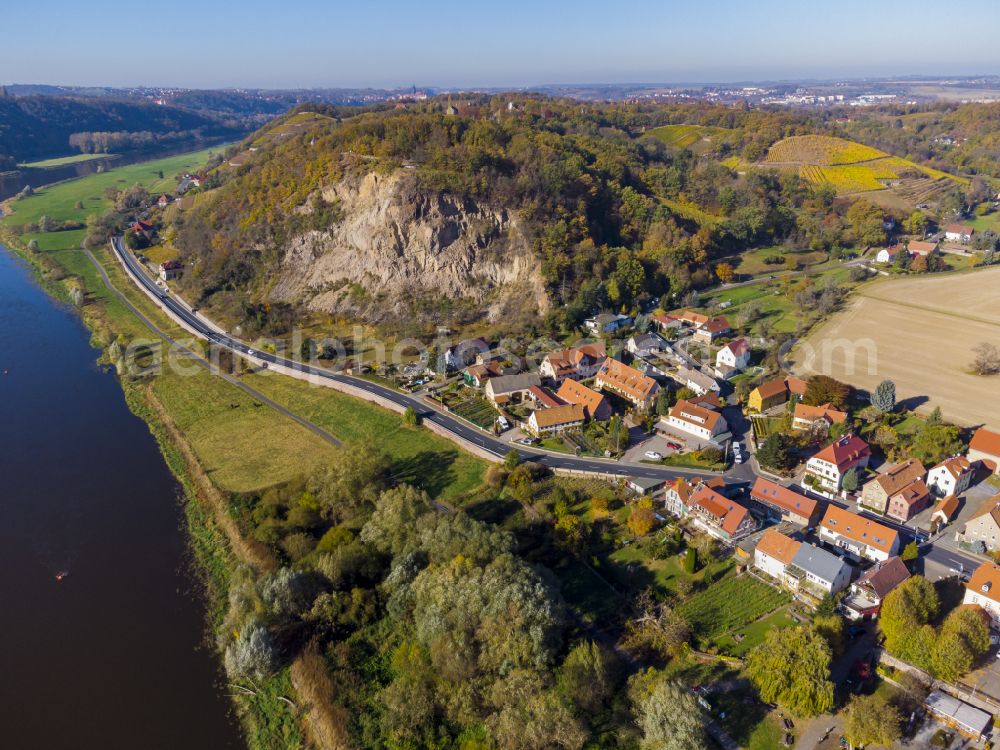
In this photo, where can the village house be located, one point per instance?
(867, 593)
(889, 254)
(644, 344)
(921, 247)
(607, 323)
(646, 486)
(691, 318)
(544, 398)
(163, 201)
(708, 401)
(594, 404)
(876, 492)
(784, 504)
(951, 477)
(697, 381)
(557, 419)
(578, 363)
(828, 467)
(171, 269)
(983, 590)
(859, 536)
(511, 388)
(774, 393)
(732, 358)
(477, 375)
(944, 512)
(144, 228)
(627, 382)
(959, 233)
(909, 501)
(718, 515)
(703, 423)
(666, 322)
(464, 353)
(806, 417)
(712, 329)
(774, 553)
(678, 496)
(800, 566)
(985, 447)
(984, 527)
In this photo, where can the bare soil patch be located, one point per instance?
(920, 333)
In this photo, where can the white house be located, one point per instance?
(774, 553)
(696, 420)
(555, 420)
(828, 467)
(958, 233)
(733, 357)
(983, 589)
(950, 477)
(801, 566)
(697, 381)
(607, 323)
(860, 536)
(889, 254)
(644, 344)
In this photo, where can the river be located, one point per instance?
(113, 656)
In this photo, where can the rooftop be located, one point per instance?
(788, 500)
(775, 544)
(859, 529)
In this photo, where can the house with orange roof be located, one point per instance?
(477, 375)
(951, 477)
(555, 420)
(774, 553)
(984, 527)
(594, 403)
(859, 536)
(691, 318)
(718, 515)
(983, 590)
(627, 382)
(774, 393)
(543, 397)
(828, 467)
(666, 322)
(944, 511)
(578, 362)
(985, 447)
(732, 358)
(920, 247)
(703, 423)
(876, 492)
(806, 417)
(782, 503)
(677, 498)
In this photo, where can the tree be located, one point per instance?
(883, 397)
(987, 359)
(511, 460)
(872, 720)
(935, 442)
(904, 610)
(725, 272)
(671, 719)
(307, 351)
(910, 552)
(410, 417)
(935, 417)
(663, 402)
(253, 653)
(964, 639)
(865, 219)
(589, 675)
(690, 560)
(850, 481)
(822, 389)
(775, 452)
(792, 667)
(641, 520)
(915, 223)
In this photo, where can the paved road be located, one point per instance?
(456, 426)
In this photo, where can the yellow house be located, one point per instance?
(774, 393)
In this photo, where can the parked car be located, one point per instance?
(502, 421)
(674, 446)
(654, 456)
(788, 723)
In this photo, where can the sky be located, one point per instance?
(389, 43)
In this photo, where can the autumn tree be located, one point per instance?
(641, 519)
(822, 389)
(964, 640)
(725, 272)
(671, 719)
(872, 720)
(792, 668)
(905, 616)
(865, 219)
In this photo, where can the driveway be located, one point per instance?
(657, 442)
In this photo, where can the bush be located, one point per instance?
(690, 560)
(253, 653)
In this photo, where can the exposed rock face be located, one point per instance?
(397, 244)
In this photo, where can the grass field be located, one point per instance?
(63, 160)
(60, 201)
(920, 333)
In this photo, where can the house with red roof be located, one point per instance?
(828, 467)
(985, 448)
(959, 233)
(806, 417)
(718, 515)
(867, 592)
(712, 329)
(577, 363)
(732, 358)
(678, 495)
(951, 477)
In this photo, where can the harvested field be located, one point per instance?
(918, 332)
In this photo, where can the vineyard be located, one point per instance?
(822, 150)
(694, 137)
(730, 604)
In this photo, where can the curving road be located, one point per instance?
(462, 430)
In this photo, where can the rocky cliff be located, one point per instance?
(400, 248)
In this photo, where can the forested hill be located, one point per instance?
(34, 127)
